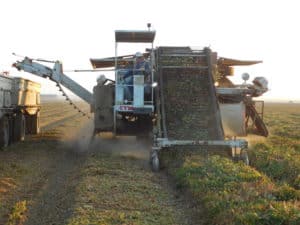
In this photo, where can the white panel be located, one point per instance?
(138, 91)
(233, 119)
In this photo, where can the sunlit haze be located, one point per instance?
(75, 31)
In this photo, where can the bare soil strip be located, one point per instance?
(53, 202)
(57, 178)
(54, 124)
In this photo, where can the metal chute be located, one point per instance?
(235, 62)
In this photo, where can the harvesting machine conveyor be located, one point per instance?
(185, 107)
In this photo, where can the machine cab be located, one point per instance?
(134, 73)
(129, 102)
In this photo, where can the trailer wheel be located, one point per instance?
(35, 123)
(19, 127)
(4, 132)
(155, 161)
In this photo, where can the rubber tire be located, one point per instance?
(155, 162)
(19, 127)
(35, 123)
(4, 132)
(28, 124)
(244, 157)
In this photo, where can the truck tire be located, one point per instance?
(19, 127)
(35, 123)
(4, 132)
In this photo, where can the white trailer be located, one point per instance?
(19, 109)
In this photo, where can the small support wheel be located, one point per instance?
(154, 161)
(244, 156)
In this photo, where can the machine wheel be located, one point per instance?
(155, 161)
(4, 132)
(244, 157)
(19, 127)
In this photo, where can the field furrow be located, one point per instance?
(57, 177)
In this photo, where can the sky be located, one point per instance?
(75, 31)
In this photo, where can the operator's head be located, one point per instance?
(139, 56)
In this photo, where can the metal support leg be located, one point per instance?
(115, 123)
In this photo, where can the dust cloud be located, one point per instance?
(82, 142)
(121, 145)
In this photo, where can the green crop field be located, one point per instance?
(57, 178)
(266, 192)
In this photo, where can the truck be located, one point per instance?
(192, 104)
(19, 108)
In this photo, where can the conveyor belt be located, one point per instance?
(68, 99)
(188, 99)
